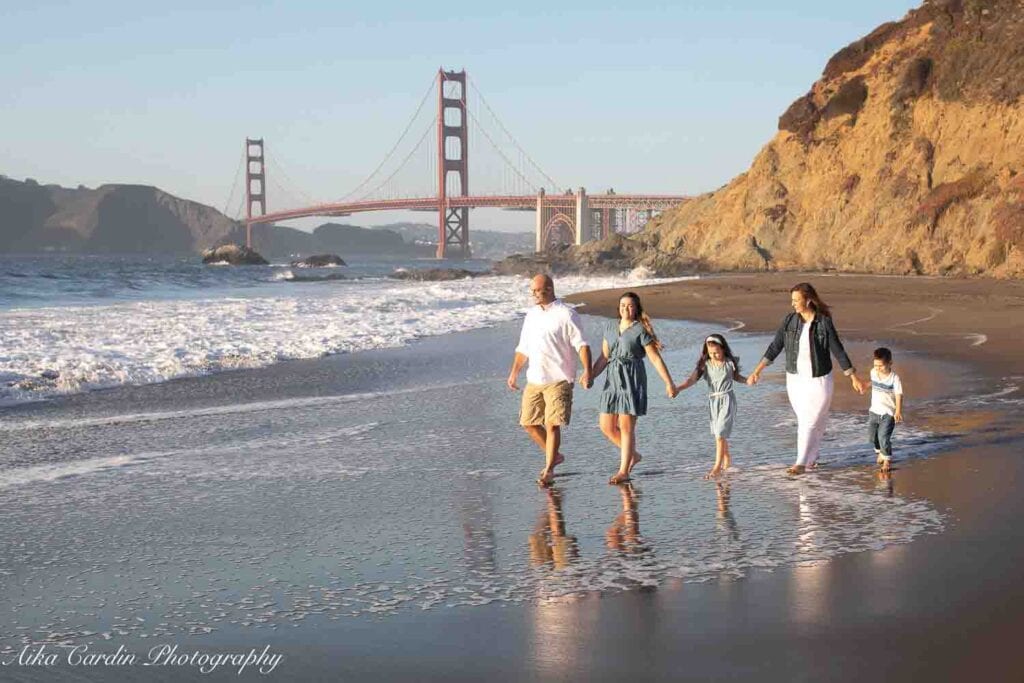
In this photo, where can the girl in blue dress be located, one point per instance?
(720, 369)
(627, 341)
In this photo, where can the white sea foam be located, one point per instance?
(231, 409)
(977, 339)
(47, 351)
(34, 474)
(20, 476)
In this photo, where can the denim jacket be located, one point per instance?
(824, 344)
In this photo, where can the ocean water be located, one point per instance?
(30, 281)
(76, 323)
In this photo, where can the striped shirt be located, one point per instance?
(884, 391)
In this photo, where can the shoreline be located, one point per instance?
(977, 322)
(191, 322)
(974, 324)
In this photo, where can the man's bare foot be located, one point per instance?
(713, 472)
(796, 469)
(634, 462)
(559, 459)
(619, 478)
(545, 478)
(885, 466)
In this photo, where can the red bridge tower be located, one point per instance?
(452, 160)
(255, 184)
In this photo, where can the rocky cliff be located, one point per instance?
(906, 156)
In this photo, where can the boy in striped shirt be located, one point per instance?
(886, 406)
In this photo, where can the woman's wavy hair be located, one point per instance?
(643, 317)
(702, 362)
(813, 300)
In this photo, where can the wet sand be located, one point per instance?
(942, 608)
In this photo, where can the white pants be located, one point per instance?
(811, 398)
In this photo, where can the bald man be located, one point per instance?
(551, 339)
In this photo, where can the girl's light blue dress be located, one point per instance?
(625, 380)
(721, 399)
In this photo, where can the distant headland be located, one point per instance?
(142, 219)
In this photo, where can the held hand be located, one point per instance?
(671, 390)
(898, 416)
(586, 381)
(858, 385)
(753, 379)
(511, 382)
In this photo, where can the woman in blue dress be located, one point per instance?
(627, 341)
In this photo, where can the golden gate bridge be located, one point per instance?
(424, 174)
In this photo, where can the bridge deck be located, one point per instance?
(529, 202)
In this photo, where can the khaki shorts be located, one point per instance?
(546, 404)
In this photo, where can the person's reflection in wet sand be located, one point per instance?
(549, 543)
(624, 533)
(479, 552)
(885, 482)
(725, 517)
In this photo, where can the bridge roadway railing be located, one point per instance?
(596, 201)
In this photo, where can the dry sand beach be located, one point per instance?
(973, 321)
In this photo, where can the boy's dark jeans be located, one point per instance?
(880, 432)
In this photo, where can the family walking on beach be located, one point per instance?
(552, 339)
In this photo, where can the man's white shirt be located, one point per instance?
(551, 340)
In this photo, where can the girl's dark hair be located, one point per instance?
(643, 318)
(702, 362)
(813, 300)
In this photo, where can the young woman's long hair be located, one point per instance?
(813, 300)
(702, 362)
(643, 317)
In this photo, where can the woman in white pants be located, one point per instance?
(809, 338)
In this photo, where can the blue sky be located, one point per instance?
(639, 96)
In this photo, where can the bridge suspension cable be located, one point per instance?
(511, 166)
(283, 195)
(234, 186)
(523, 152)
(383, 184)
(391, 152)
(277, 171)
(237, 214)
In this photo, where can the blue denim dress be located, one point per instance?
(625, 380)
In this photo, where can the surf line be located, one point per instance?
(977, 338)
(935, 313)
(738, 325)
(229, 409)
